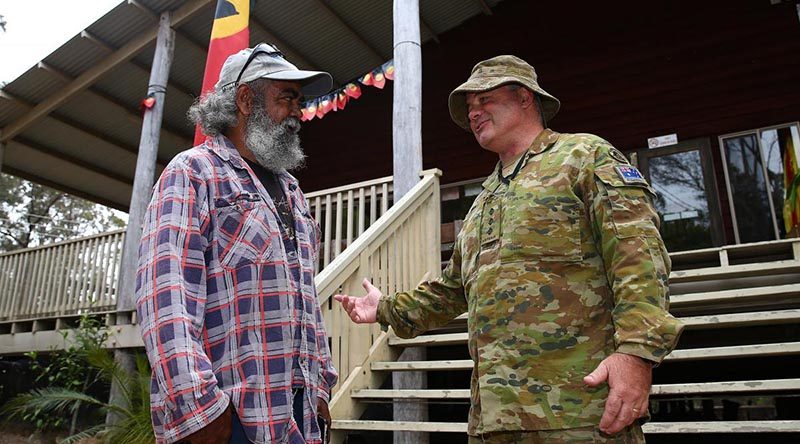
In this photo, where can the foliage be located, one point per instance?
(67, 369)
(33, 214)
(67, 395)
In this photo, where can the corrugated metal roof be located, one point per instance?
(86, 143)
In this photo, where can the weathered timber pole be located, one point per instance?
(407, 107)
(142, 187)
(407, 165)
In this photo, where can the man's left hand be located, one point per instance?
(325, 414)
(629, 379)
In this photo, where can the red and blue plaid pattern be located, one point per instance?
(227, 305)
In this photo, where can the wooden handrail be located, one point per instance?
(394, 253)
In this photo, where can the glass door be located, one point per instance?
(682, 176)
(754, 167)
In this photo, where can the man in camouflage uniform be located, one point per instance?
(560, 267)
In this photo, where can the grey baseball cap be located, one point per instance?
(265, 61)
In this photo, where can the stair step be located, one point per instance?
(742, 319)
(649, 428)
(734, 271)
(396, 366)
(754, 386)
(401, 426)
(694, 354)
(737, 295)
(430, 340)
(722, 427)
(766, 385)
(411, 394)
(691, 322)
(737, 351)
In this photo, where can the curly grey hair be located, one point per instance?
(216, 111)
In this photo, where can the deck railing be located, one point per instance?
(394, 253)
(70, 277)
(345, 212)
(80, 275)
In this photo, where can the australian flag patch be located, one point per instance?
(629, 174)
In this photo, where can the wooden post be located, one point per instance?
(407, 108)
(2, 152)
(407, 165)
(142, 185)
(145, 162)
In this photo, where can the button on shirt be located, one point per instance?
(227, 305)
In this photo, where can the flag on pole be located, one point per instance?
(791, 183)
(229, 35)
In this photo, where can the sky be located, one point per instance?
(35, 28)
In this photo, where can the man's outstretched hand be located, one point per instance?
(629, 379)
(362, 310)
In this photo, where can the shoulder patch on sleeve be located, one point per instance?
(629, 174)
(618, 156)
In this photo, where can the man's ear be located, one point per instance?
(526, 97)
(244, 99)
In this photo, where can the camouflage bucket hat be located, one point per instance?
(499, 71)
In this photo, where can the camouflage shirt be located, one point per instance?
(557, 269)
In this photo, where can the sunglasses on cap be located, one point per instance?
(261, 48)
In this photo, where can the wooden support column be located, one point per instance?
(142, 187)
(146, 162)
(2, 152)
(407, 165)
(407, 107)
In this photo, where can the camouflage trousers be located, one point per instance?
(630, 435)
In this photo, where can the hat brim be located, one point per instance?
(457, 101)
(312, 83)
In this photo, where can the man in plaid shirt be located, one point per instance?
(225, 280)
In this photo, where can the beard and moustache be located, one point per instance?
(276, 146)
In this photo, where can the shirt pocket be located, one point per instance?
(540, 227)
(243, 232)
(631, 210)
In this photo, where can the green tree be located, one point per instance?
(33, 215)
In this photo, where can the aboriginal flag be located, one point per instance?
(229, 35)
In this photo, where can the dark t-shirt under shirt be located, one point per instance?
(273, 185)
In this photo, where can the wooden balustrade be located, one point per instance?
(65, 278)
(394, 253)
(345, 212)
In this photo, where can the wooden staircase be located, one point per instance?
(735, 373)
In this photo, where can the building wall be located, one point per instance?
(624, 70)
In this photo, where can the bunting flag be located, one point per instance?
(229, 35)
(338, 99)
(791, 182)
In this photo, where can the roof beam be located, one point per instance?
(297, 56)
(61, 187)
(485, 7)
(144, 69)
(427, 28)
(162, 162)
(133, 115)
(381, 57)
(90, 76)
(73, 160)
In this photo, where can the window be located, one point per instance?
(754, 167)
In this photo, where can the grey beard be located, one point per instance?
(276, 146)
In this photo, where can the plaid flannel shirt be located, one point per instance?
(227, 305)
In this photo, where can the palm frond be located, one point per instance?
(88, 433)
(51, 400)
